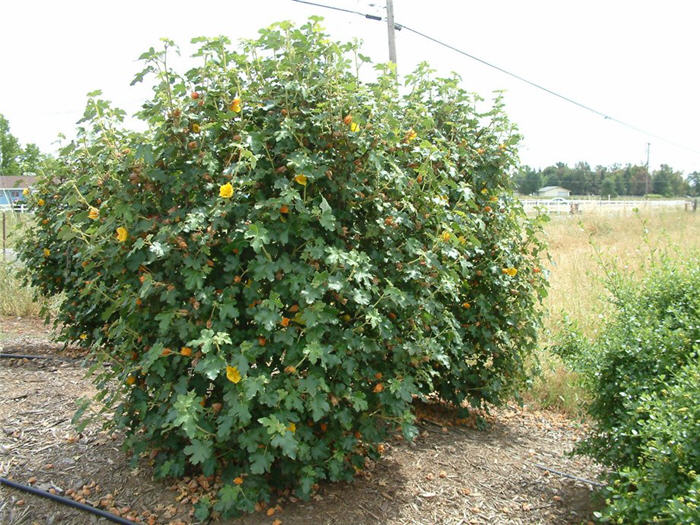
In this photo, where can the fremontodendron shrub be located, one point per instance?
(286, 257)
(642, 372)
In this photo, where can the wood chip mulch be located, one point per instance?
(451, 474)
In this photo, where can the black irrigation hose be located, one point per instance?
(31, 356)
(66, 501)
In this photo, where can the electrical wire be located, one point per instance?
(342, 9)
(513, 75)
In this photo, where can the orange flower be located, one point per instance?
(285, 321)
(290, 369)
(284, 209)
(94, 213)
(238, 480)
(378, 388)
(166, 351)
(348, 119)
(262, 341)
(292, 428)
(130, 380)
(186, 351)
(466, 305)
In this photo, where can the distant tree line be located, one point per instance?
(613, 180)
(16, 159)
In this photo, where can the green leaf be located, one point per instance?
(327, 219)
(260, 462)
(199, 451)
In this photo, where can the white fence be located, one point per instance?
(15, 207)
(603, 206)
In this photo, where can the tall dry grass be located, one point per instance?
(582, 249)
(16, 300)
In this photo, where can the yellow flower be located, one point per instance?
(235, 105)
(41, 202)
(226, 191)
(83, 336)
(354, 127)
(510, 271)
(122, 234)
(26, 192)
(94, 213)
(411, 135)
(494, 199)
(292, 428)
(195, 128)
(462, 239)
(300, 179)
(232, 374)
(484, 191)
(47, 252)
(445, 236)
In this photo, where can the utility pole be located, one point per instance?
(646, 188)
(390, 27)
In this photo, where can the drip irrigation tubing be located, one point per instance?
(66, 501)
(32, 356)
(565, 475)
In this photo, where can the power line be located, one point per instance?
(511, 74)
(371, 17)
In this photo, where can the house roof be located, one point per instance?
(16, 181)
(548, 188)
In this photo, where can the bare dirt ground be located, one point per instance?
(450, 474)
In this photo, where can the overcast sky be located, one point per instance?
(636, 61)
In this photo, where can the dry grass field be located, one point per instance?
(583, 249)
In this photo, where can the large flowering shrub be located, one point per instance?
(286, 257)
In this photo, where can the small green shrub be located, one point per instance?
(662, 486)
(642, 375)
(286, 257)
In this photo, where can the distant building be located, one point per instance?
(11, 188)
(553, 191)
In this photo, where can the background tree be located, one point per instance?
(30, 159)
(693, 182)
(528, 180)
(9, 149)
(667, 182)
